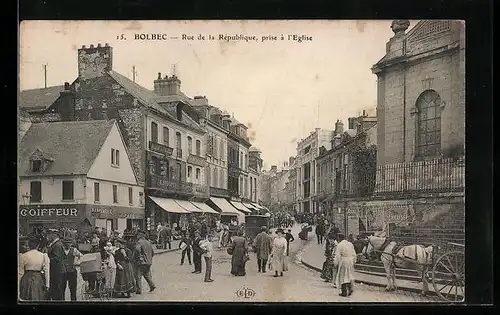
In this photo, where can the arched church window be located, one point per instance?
(428, 135)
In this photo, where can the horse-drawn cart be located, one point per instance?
(448, 273)
(443, 264)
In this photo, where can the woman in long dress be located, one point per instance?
(34, 269)
(108, 261)
(278, 254)
(125, 280)
(344, 260)
(240, 252)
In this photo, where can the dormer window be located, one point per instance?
(36, 165)
(179, 112)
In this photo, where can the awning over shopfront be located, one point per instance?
(169, 205)
(204, 207)
(241, 207)
(224, 205)
(250, 206)
(188, 206)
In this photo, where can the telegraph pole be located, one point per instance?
(133, 73)
(45, 74)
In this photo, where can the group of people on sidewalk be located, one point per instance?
(339, 263)
(199, 243)
(49, 266)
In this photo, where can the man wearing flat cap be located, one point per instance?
(71, 254)
(55, 251)
(143, 258)
(263, 244)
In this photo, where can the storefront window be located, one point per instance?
(130, 196)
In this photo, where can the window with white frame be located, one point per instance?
(130, 196)
(198, 147)
(166, 136)
(154, 132)
(97, 196)
(115, 157)
(198, 174)
(36, 191)
(115, 194)
(190, 171)
(68, 192)
(190, 145)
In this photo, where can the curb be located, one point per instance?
(376, 284)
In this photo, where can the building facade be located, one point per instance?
(216, 124)
(254, 170)
(307, 152)
(421, 92)
(81, 180)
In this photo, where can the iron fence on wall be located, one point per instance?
(432, 176)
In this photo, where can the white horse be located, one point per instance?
(415, 257)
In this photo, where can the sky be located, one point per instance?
(282, 89)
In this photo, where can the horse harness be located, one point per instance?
(397, 247)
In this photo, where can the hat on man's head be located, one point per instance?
(280, 231)
(120, 241)
(68, 240)
(139, 232)
(263, 228)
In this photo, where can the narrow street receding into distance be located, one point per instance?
(300, 284)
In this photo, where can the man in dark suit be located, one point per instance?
(143, 258)
(57, 269)
(197, 252)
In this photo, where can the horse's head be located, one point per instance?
(373, 243)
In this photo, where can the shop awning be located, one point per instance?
(169, 205)
(188, 206)
(250, 206)
(224, 205)
(241, 207)
(257, 206)
(204, 207)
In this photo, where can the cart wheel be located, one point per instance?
(448, 276)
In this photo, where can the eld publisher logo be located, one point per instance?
(245, 293)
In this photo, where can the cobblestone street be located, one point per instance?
(300, 284)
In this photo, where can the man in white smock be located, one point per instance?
(344, 260)
(278, 254)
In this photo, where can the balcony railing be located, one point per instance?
(179, 153)
(433, 176)
(215, 191)
(177, 187)
(160, 148)
(196, 160)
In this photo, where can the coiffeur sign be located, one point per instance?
(51, 211)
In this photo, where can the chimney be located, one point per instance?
(174, 85)
(339, 127)
(274, 168)
(94, 62)
(67, 105)
(161, 85)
